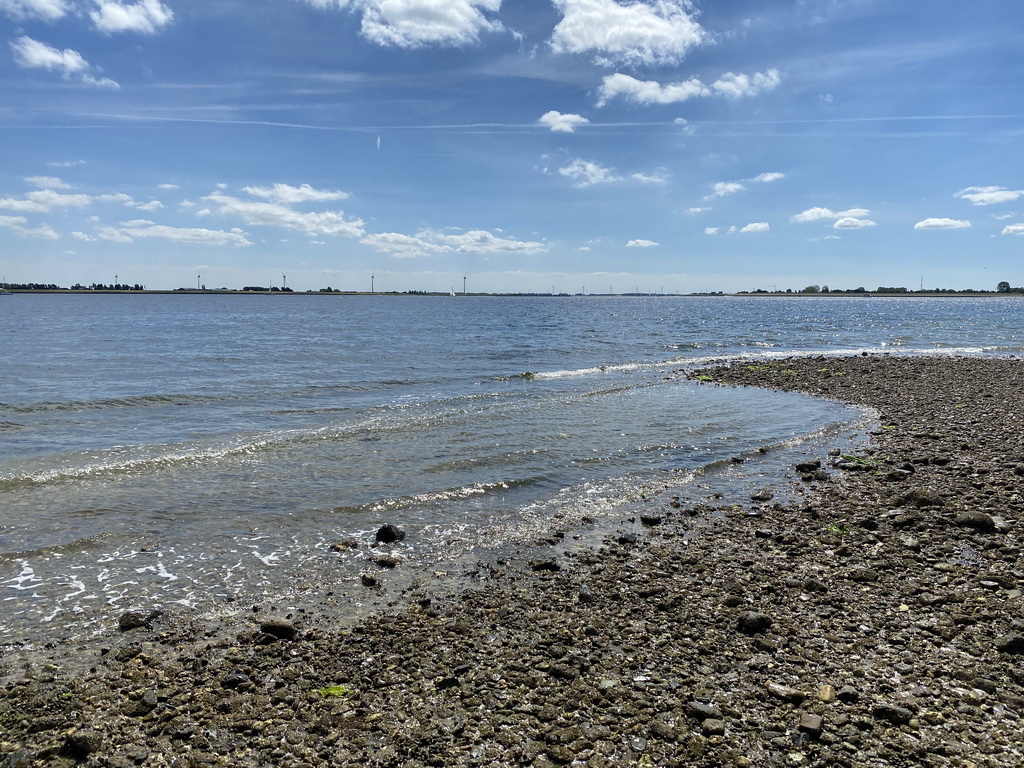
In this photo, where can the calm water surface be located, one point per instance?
(194, 450)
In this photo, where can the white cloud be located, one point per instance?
(32, 54)
(711, 230)
(820, 214)
(48, 10)
(941, 223)
(660, 32)
(652, 92)
(641, 244)
(661, 177)
(417, 23)
(556, 121)
(152, 205)
(279, 215)
(43, 201)
(117, 197)
(739, 86)
(852, 222)
(768, 177)
(428, 241)
(1013, 229)
(129, 231)
(648, 91)
(989, 195)
(695, 210)
(723, 188)
(20, 225)
(46, 182)
(145, 16)
(289, 195)
(756, 226)
(587, 174)
(167, 186)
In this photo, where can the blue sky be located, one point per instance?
(527, 145)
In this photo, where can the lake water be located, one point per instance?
(201, 451)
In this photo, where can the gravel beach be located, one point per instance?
(863, 610)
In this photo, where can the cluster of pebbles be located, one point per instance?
(872, 618)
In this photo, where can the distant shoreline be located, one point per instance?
(441, 294)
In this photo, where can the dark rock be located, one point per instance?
(387, 561)
(714, 727)
(921, 498)
(810, 724)
(389, 534)
(545, 566)
(753, 623)
(808, 467)
(627, 538)
(864, 575)
(282, 629)
(80, 744)
(764, 494)
(1012, 643)
(235, 680)
(702, 711)
(344, 544)
(141, 706)
(892, 713)
(137, 618)
(976, 520)
(650, 520)
(368, 580)
(848, 694)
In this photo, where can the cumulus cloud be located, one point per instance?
(1013, 229)
(827, 214)
(418, 23)
(130, 231)
(940, 223)
(710, 230)
(695, 210)
(44, 201)
(281, 215)
(586, 174)
(659, 32)
(46, 182)
(145, 16)
(755, 226)
(32, 54)
(429, 242)
(48, 10)
(641, 244)
(20, 225)
(648, 92)
(152, 205)
(852, 222)
(739, 86)
(765, 178)
(289, 195)
(724, 188)
(556, 121)
(989, 195)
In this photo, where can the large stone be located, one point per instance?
(1012, 643)
(282, 629)
(753, 623)
(976, 520)
(137, 618)
(892, 713)
(389, 534)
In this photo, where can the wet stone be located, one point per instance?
(976, 520)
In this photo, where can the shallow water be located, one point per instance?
(193, 450)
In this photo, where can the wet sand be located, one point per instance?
(870, 617)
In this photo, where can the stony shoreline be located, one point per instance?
(875, 621)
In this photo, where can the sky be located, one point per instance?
(513, 145)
